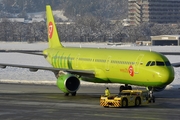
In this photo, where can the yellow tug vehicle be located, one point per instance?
(126, 98)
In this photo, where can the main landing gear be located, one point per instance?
(72, 94)
(126, 87)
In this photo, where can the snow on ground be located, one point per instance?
(20, 75)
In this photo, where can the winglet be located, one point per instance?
(53, 38)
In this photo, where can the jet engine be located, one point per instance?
(157, 89)
(68, 83)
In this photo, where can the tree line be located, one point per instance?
(107, 9)
(85, 29)
(15, 31)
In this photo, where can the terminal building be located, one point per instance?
(165, 40)
(156, 11)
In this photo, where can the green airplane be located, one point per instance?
(128, 67)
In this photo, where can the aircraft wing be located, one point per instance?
(170, 53)
(21, 51)
(176, 64)
(33, 52)
(36, 68)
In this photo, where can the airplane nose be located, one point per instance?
(167, 75)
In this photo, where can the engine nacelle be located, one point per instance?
(68, 83)
(157, 89)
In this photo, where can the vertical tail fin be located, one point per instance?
(53, 38)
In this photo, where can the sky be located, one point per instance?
(20, 75)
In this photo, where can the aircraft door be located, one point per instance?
(108, 63)
(77, 61)
(138, 63)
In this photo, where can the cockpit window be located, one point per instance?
(152, 63)
(168, 63)
(159, 63)
(148, 63)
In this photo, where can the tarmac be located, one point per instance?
(47, 102)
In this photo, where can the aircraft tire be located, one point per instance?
(121, 88)
(129, 88)
(73, 94)
(66, 94)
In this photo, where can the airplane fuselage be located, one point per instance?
(136, 67)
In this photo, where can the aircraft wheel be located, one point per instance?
(129, 88)
(73, 94)
(121, 88)
(66, 94)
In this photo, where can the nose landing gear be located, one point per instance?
(151, 96)
(127, 87)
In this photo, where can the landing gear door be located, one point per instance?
(138, 63)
